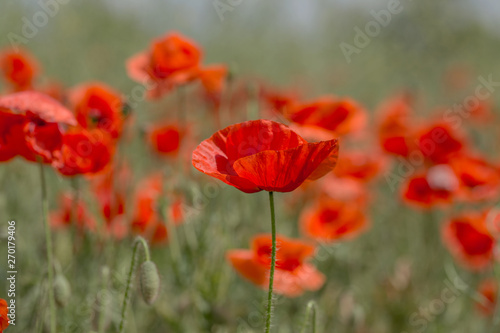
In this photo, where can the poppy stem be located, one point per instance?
(273, 263)
(50, 255)
(311, 311)
(138, 240)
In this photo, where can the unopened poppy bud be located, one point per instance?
(62, 290)
(150, 282)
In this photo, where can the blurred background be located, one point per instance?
(287, 44)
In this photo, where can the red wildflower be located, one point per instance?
(329, 220)
(263, 155)
(18, 69)
(213, 79)
(85, 152)
(99, 106)
(151, 211)
(171, 60)
(359, 165)
(32, 126)
(479, 179)
(166, 138)
(4, 320)
(72, 212)
(488, 288)
(438, 142)
(436, 186)
(328, 117)
(469, 240)
(293, 275)
(394, 125)
(109, 190)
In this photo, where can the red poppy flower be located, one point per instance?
(329, 220)
(40, 118)
(293, 274)
(12, 140)
(328, 116)
(150, 212)
(109, 189)
(18, 69)
(395, 126)
(213, 79)
(438, 142)
(469, 240)
(85, 152)
(479, 179)
(72, 212)
(166, 138)
(488, 288)
(4, 311)
(363, 166)
(98, 106)
(171, 60)
(263, 155)
(435, 187)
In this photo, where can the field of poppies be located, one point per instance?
(240, 166)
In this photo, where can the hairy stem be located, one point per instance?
(273, 262)
(139, 240)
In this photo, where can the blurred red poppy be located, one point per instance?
(172, 60)
(468, 239)
(165, 139)
(109, 189)
(85, 152)
(395, 126)
(264, 155)
(439, 142)
(4, 320)
(152, 209)
(71, 212)
(479, 179)
(435, 186)
(293, 275)
(18, 69)
(328, 117)
(360, 165)
(98, 106)
(32, 125)
(213, 79)
(488, 289)
(330, 220)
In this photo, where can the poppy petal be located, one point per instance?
(285, 170)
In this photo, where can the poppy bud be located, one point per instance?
(150, 282)
(62, 290)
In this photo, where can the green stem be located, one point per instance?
(311, 308)
(50, 256)
(273, 262)
(138, 240)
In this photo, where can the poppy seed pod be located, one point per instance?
(150, 282)
(62, 290)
